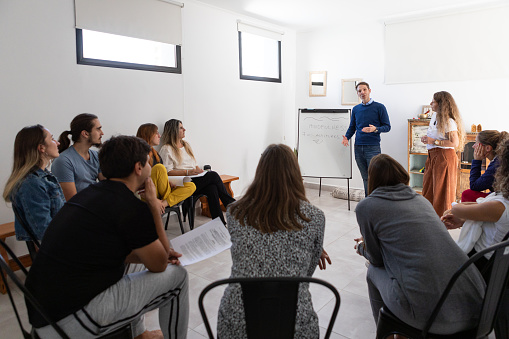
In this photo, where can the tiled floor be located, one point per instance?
(347, 274)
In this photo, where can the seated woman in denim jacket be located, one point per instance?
(35, 193)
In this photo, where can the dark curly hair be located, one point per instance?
(502, 174)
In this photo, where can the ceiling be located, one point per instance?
(307, 15)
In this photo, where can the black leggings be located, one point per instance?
(212, 186)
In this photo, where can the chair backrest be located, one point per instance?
(270, 305)
(4, 267)
(496, 287)
(34, 244)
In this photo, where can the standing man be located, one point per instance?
(78, 166)
(369, 119)
(78, 275)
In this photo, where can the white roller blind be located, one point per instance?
(154, 20)
(468, 45)
(261, 31)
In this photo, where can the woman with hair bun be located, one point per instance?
(485, 147)
(33, 191)
(444, 137)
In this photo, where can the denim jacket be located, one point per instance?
(36, 200)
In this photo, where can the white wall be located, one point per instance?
(358, 52)
(229, 121)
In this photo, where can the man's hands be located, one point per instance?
(324, 258)
(173, 257)
(369, 129)
(345, 141)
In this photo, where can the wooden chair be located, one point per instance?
(270, 305)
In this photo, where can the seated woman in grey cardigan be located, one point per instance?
(411, 254)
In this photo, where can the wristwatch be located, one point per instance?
(376, 129)
(437, 142)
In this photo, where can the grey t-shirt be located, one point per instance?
(71, 167)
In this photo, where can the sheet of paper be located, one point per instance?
(180, 180)
(202, 243)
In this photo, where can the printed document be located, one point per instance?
(202, 243)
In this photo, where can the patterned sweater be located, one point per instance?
(278, 254)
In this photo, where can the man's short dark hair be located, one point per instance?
(362, 83)
(118, 155)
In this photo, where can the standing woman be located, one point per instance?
(168, 195)
(275, 232)
(179, 160)
(485, 147)
(35, 193)
(445, 135)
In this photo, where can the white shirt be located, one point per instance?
(494, 232)
(170, 162)
(433, 131)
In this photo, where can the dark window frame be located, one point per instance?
(256, 78)
(127, 65)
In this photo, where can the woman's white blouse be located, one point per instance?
(170, 162)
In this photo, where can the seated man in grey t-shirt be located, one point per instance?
(78, 166)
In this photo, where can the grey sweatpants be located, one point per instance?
(126, 301)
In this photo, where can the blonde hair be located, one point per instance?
(272, 201)
(170, 137)
(447, 109)
(27, 158)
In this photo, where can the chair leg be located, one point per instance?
(167, 220)
(180, 221)
(191, 214)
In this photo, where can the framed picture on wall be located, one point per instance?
(349, 92)
(318, 84)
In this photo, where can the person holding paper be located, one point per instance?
(167, 193)
(275, 231)
(78, 274)
(179, 160)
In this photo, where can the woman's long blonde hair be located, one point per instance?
(27, 158)
(272, 201)
(146, 132)
(171, 137)
(502, 174)
(447, 109)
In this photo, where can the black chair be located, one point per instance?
(176, 209)
(270, 305)
(32, 245)
(189, 208)
(123, 332)
(389, 324)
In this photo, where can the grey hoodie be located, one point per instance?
(404, 237)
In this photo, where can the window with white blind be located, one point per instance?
(259, 53)
(132, 34)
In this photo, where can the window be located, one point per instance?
(259, 54)
(141, 34)
(110, 50)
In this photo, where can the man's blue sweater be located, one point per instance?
(364, 115)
